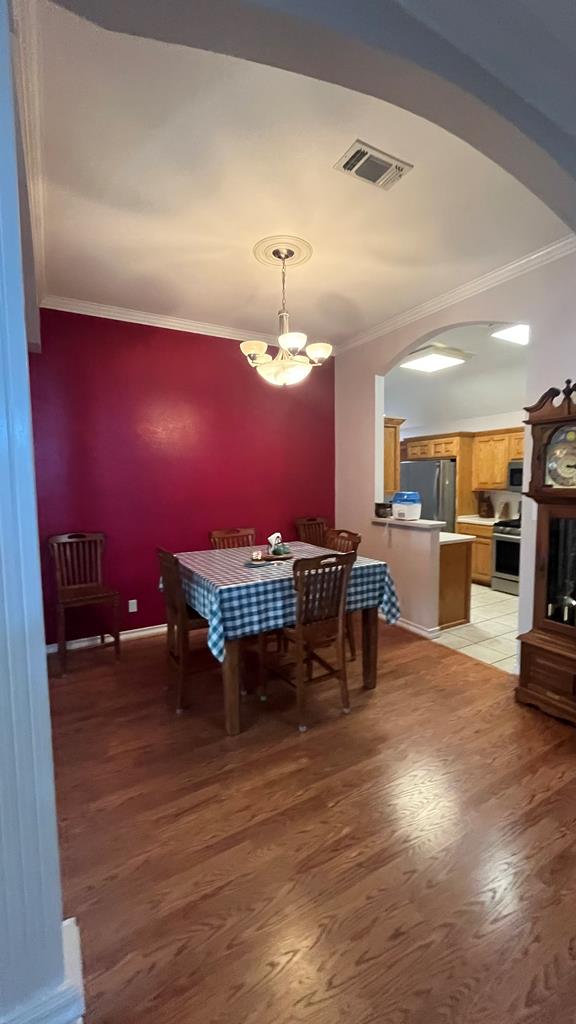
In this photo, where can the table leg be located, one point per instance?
(231, 677)
(369, 647)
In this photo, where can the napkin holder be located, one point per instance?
(276, 546)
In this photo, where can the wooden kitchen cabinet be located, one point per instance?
(482, 560)
(445, 447)
(433, 448)
(481, 550)
(455, 579)
(419, 449)
(453, 446)
(490, 462)
(481, 465)
(392, 453)
(516, 449)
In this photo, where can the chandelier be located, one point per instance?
(295, 358)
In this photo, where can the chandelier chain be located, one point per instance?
(283, 284)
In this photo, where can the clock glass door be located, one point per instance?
(561, 458)
(561, 571)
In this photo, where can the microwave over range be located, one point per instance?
(515, 475)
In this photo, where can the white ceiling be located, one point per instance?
(492, 381)
(163, 165)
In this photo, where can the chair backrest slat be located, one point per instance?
(77, 559)
(171, 581)
(342, 540)
(242, 537)
(321, 584)
(311, 530)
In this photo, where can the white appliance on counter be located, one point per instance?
(435, 481)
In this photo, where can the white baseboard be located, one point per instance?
(64, 1004)
(73, 970)
(94, 641)
(413, 627)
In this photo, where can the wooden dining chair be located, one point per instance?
(343, 541)
(321, 584)
(311, 530)
(77, 561)
(241, 537)
(181, 620)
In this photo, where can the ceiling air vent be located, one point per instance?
(372, 165)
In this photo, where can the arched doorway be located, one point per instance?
(461, 435)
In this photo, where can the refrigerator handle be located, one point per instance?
(437, 491)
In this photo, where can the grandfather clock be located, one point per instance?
(548, 651)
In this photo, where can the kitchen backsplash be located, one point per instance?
(500, 498)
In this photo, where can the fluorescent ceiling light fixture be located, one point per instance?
(433, 358)
(519, 334)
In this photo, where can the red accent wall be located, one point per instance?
(156, 437)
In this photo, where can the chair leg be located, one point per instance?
(183, 651)
(301, 686)
(102, 638)
(350, 635)
(117, 628)
(342, 676)
(262, 667)
(62, 638)
(170, 634)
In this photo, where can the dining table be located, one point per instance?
(241, 598)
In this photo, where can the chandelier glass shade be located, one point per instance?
(295, 358)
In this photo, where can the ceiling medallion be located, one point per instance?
(264, 250)
(295, 358)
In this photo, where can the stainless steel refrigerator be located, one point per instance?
(435, 481)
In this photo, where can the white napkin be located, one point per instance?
(273, 540)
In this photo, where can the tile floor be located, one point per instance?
(490, 635)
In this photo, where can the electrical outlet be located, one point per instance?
(133, 605)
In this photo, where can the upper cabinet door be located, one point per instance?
(443, 447)
(483, 459)
(516, 441)
(501, 460)
(491, 458)
(419, 449)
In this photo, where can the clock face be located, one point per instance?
(561, 458)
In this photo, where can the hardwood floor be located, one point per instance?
(412, 863)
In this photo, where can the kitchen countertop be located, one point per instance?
(410, 524)
(477, 520)
(456, 538)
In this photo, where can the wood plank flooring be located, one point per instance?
(412, 863)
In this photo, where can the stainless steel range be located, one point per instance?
(506, 555)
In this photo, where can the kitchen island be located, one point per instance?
(432, 572)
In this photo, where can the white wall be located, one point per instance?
(545, 298)
(379, 385)
(553, 359)
(498, 421)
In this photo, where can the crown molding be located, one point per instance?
(27, 55)
(138, 316)
(525, 264)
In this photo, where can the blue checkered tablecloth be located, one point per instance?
(243, 600)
